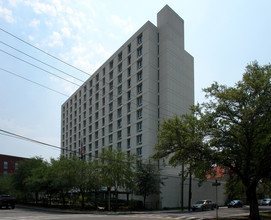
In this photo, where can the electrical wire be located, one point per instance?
(39, 67)
(41, 61)
(13, 135)
(44, 51)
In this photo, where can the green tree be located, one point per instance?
(148, 180)
(62, 174)
(117, 171)
(37, 181)
(181, 138)
(238, 122)
(23, 173)
(6, 184)
(87, 177)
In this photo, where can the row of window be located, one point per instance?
(139, 65)
(91, 157)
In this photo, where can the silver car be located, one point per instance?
(203, 205)
(266, 202)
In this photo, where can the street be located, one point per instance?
(23, 213)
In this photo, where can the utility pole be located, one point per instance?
(216, 184)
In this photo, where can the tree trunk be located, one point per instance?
(190, 190)
(109, 197)
(253, 203)
(144, 202)
(83, 200)
(182, 187)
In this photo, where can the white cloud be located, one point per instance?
(55, 40)
(123, 23)
(42, 8)
(66, 32)
(30, 37)
(10, 125)
(7, 15)
(34, 23)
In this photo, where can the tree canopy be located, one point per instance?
(234, 131)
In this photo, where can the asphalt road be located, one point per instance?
(22, 213)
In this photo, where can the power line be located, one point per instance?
(43, 51)
(39, 68)
(27, 139)
(13, 135)
(33, 82)
(41, 61)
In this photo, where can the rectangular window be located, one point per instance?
(119, 123)
(119, 112)
(139, 114)
(128, 131)
(139, 152)
(110, 117)
(120, 78)
(111, 75)
(119, 145)
(139, 89)
(111, 96)
(110, 139)
(103, 81)
(119, 101)
(128, 119)
(139, 76)
(96, 96)
(5, 165)
(139, 39)
(110, 128)
(120, 67)
(111, 106)
(139, 101)
(129, 72)
(96, 125)
(96, 115)
(119, 135)
(139, 52)
(110, 86)
(111, 64)
(139, 126)
(129, 107)
(97, 86)
(129, 48)
(120, 56)
(97, 77)
(128, 143)
(119, 90)
(103, 71)
(129, 60)
(139, 139)
(90, 92)
(139, 64)
(128, 83)
(128, 95)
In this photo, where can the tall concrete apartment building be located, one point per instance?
(149, 78)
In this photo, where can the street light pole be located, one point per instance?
(216, 184)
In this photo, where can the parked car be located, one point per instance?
(204, 205)
(7, 200)
(235, 204)
(266, 202)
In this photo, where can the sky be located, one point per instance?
(222, 36)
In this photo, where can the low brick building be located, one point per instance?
(8, 163)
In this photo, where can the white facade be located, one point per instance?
(149, 78)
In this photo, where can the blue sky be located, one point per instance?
(222, 36)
